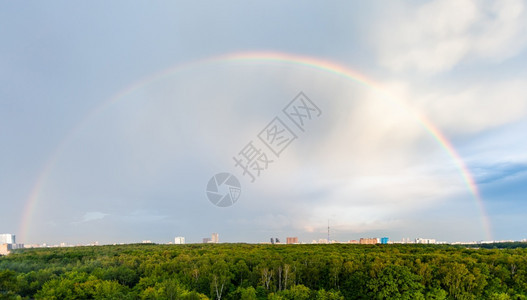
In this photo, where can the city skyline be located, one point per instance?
(395, 119)
(8, 238)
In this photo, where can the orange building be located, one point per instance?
(368, 241)
(292, 240)
(5, 249)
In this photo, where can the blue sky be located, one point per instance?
(137, 168)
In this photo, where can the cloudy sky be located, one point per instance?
(115, 116)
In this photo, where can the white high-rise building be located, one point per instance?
(215, 238)
(425, 241)
(7, 238)
(179, 240)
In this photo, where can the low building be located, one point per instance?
(5, 249)
(292, 240)
(368, 241)
(425, 241)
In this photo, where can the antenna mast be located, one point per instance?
(328, 233)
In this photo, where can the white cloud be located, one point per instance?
(473, 109)
(479, 107)
(438, 35)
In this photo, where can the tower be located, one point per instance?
(329, 241)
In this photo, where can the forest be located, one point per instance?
(251, 271)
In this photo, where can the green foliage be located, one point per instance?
(297, 292)
(8, 285)
(331, 295)
(74, 285)
(436, 294)
(245, 293)
(396, 282)
(241, 271)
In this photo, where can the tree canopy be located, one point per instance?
(248, 271)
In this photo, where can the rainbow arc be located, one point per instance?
(274, 57)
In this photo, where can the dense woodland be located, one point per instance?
(242, 271)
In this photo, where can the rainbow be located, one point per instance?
(271, 57)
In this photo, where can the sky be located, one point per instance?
(115, 116)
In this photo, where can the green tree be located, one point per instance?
(241, 271)
(499, 296)
(436, 294)
(329, 295)
(220, 278)
(297, 292)
(8, 285)
(396, 282)
(457, 280)
(248, 293)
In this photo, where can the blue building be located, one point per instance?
(384, 240)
